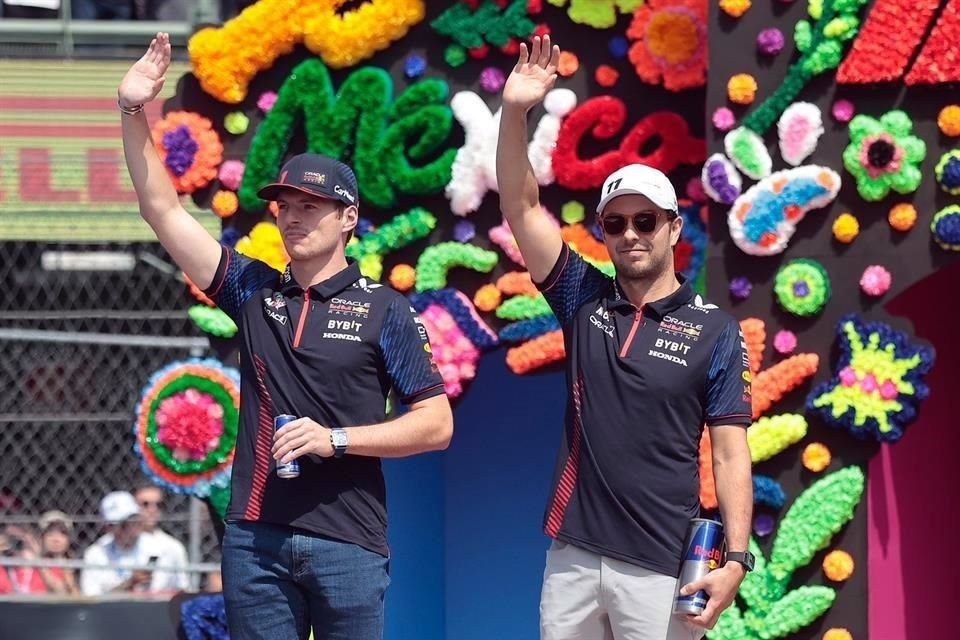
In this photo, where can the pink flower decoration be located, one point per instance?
(695, 190)
(266, 101)
(869, 383)
(785, 342)
(891, 167)
(231, 174)
(843, 110)
(723, 119)
(455, 355)
(848, 377)
(888, 390)
(190, 424)
(875, 280)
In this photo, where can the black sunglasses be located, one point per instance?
(644, 222)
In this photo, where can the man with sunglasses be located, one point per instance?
(649, 362)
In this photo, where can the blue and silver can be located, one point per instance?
(292, 468)
(702, 552)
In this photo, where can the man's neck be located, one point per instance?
(641, 292)
(316, 270)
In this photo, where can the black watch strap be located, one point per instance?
(743, 557)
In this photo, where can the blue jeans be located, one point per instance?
(279, 581)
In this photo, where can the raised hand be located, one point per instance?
(534, 75)
(145, 78)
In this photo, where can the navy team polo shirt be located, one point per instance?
(642, 382)
(331, 352)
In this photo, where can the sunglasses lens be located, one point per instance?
(645, 222)
(614, 225)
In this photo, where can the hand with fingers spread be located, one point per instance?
(145, 78)
(721, 586)
(533, 76)
(300, 438)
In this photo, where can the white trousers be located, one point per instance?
(587, 596)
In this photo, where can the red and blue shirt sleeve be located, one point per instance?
(237, 279)
(729, 398)
(407, 354)
(572, 283)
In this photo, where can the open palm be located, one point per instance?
(534, 75)
(145, 78)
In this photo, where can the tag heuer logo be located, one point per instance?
(312, 177)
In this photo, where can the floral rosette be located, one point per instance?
(882, 155)
(670, 43)
(185, 428)
(802, 287)
(189, 148)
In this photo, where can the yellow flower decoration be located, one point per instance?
(903, 216)
(403, 277)
(838, 565)
(846, 228)
(225, 203)
(265, 244)
(949, 120)
(742, 88)
(487, 297)
(734, 8)
(226, 59)
(816, 457)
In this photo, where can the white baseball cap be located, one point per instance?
(118, 506)
(639, 179)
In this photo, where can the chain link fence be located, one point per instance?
(82, 327)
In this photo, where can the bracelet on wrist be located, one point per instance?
(130, 111)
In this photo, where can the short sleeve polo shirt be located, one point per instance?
(331, 352)
(642, 383)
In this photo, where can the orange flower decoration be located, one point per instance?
(671, 43)
(189, 148)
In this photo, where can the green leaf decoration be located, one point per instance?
(523, 308)
(821, 49)
(472, 29)
(730, 626)
(759, 590)
(793, 612)
(815, 516)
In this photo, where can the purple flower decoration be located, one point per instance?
(740, 288)
(492, 79)
(717, 183)
(414, 66)
(464, 231)
(181, 149)
(770, 41)
(763, 524)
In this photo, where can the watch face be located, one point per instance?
(339, 438)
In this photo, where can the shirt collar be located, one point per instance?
(683, 295)
(329, 287)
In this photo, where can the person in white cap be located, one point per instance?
(649, 362)
(127, 553)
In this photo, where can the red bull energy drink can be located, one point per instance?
(702, 553)
(292, 468)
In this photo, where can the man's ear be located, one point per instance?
(676, 227)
